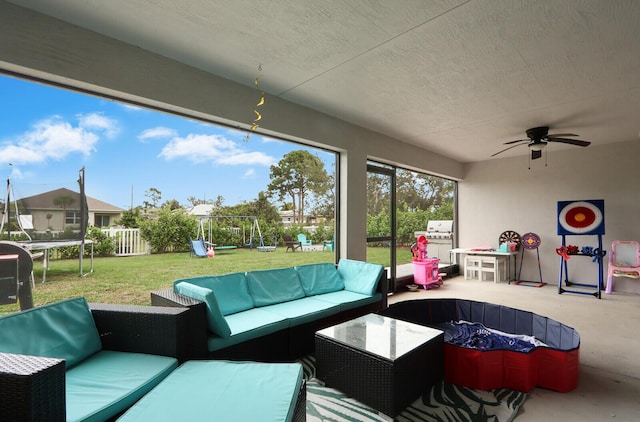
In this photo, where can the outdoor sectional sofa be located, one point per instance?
(554, 366)
(272, 315)
(77, 362)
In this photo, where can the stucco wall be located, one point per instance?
(503, 194)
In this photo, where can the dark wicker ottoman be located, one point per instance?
(380, 361)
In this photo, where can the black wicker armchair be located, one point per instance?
(32, 388)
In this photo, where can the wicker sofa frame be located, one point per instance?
(33, 388)
(281, 346)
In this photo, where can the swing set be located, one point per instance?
(255, 240)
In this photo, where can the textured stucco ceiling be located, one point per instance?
(456, 77)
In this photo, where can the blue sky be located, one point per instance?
(48, 134)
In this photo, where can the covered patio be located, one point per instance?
(437, 87)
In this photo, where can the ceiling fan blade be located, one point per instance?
(535, 154)
(556, 135)
(516, 141)
(576, 142)
(506, 149)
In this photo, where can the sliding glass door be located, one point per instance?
(381, 218)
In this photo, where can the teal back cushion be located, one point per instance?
(63, 330)
(360, 277)
(268, 287)
(215, 320)
(231, 290)
(317, 279)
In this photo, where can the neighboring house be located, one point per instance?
(287, 218)
(59, 209)
(201, 210)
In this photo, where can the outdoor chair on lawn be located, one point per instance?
(290, 243)
(328, 244)
(303, 240)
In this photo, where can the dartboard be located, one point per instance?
(530, 241)
(581, 217)
(509, 237)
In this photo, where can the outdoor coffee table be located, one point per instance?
(380, 361)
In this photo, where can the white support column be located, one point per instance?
(353, 205)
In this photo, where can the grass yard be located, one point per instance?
(130, 280)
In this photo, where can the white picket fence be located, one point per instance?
(128, 241)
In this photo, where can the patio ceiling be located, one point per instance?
(456, 77)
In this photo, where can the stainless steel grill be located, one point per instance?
(439, 233)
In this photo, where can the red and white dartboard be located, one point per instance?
(581, 217)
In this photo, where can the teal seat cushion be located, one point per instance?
(223, 391)
(274, 286)
(63, 330)
(319, 278)
(215, 320)
(109, 382)
(248, 325)
(303, 310)
(360, 277)
(349, 300)
(231, 290)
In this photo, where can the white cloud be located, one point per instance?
(49, 139)
(156, 132)
(96, 121)
(132, 108)
(214, 148)
(247, 158)
(249, 174)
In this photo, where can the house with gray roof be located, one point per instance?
(59, 209)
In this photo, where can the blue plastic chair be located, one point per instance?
(328, 244)
(303, 240)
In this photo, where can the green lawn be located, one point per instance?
(129, 280)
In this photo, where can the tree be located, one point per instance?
(154, 196)
(172, 204)
(420, 191)
(298, 175)
(378, 193)
(130, 219)
(195, 201)
(63, 201)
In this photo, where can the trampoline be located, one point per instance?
(45, 247)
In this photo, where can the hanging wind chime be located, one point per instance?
(258, 116)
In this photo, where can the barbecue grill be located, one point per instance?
(439, 233)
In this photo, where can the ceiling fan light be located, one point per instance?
(539, 146)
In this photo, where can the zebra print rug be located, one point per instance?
(445, 402)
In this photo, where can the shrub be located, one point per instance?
(171, 231)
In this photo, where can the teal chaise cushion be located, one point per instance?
(223, 391)
(110, 382)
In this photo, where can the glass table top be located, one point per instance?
(379, 335)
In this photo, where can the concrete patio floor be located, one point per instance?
(609, 385)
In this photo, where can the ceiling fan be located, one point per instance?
(538, 137)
